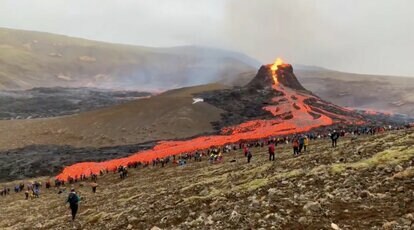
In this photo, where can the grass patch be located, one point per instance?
(391, 156)
(253, 185)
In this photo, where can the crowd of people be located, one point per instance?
(300, 144)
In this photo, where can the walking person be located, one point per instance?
(305, 143)
(249, 156)
(73, 200)
(295, 145)
(271, 152)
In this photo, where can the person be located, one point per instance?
(271, 151)
(295, 144)
(305, 143)
(245, 150)
(249, 156)
(301, 143)
(334, 138)
(94, 186)
(73, 200)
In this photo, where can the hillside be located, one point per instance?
(366, 183)
(361, 91)
(166, 116)
(35, 59)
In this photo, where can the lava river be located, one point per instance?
(291, 115)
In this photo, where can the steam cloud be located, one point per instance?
(372, 36)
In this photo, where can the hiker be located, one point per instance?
(334, 138)
(301, 143)
(73, 200)
(295, 145)
(271, 151)
(249, 156)
(245, 150)
(305, 143)
(94, 186)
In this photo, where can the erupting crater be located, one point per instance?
(290, 109)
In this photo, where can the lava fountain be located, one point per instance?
(274, 68)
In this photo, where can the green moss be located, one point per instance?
(391, 156)
(253, 184)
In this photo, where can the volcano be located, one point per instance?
(274, 103)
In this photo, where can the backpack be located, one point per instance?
(73, 199)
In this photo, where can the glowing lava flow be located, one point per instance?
(292, 115)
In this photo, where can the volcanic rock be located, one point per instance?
(312, 207)
(285, 76)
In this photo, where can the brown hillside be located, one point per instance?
(366, 183)
(166, 116)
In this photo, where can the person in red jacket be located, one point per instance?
(295, 144)
(271, 152)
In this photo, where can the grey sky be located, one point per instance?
(364, 36)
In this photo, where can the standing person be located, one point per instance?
(94, 185)
(305, 143)
(245, 150)
(301, 143)
(26, 194)
(249, 156)
(295, 145)
(271, 151)
(334, 138)
(73, 200)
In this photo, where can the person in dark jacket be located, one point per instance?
(73, 200)
(334, 138)
(249, 156)
(301, 143)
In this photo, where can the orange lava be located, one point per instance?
(294, 105)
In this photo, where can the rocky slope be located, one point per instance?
(366, 183)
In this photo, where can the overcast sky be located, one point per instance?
(363, 36)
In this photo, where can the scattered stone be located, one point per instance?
(398, 168)
(303, 220)
(312, 207)
(389, 225)
(129, 226)
(235, 216)
(335, 226)
(204, 192)
(271, 191)
(410, 216)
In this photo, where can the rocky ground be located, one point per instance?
(366, 183)
(58, 101)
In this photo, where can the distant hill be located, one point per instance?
(36, 59)
(384, 93)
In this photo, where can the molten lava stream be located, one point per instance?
(302, 121)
